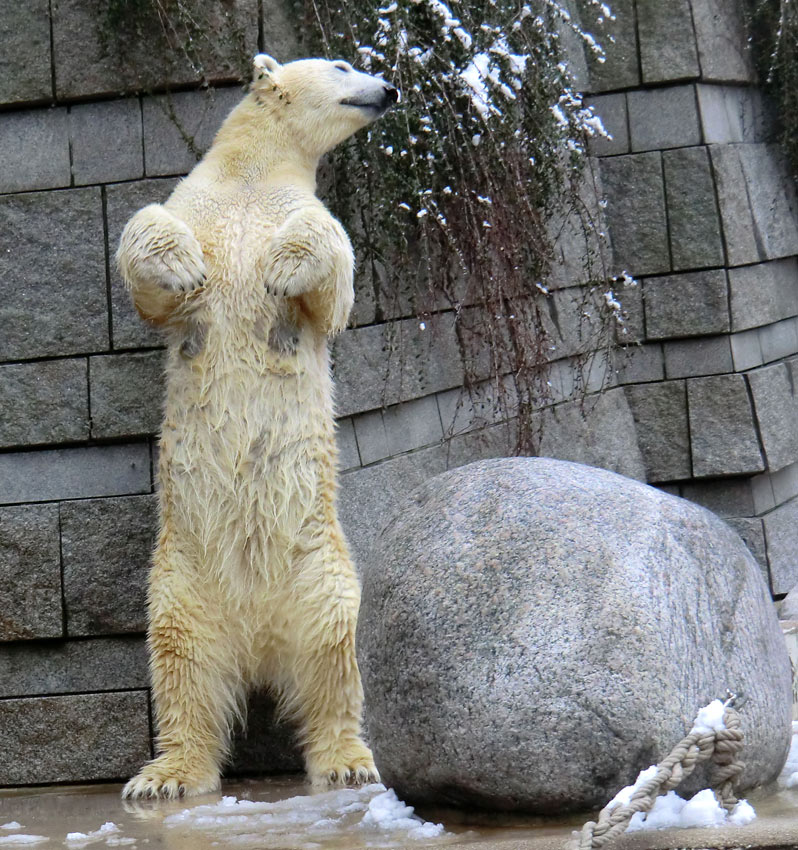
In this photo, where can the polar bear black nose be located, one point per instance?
(391, 94)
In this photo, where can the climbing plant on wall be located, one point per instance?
(461, 185)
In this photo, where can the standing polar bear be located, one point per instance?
(251, 583)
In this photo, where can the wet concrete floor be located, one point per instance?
(54, 813)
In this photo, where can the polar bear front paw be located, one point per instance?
(165, 777)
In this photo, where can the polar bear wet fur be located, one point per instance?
(251, 583)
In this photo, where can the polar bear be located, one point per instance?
(251, 583)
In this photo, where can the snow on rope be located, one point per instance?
(716, 735)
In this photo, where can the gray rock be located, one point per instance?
(348, 454)
(746, 350)
(722, 429)
(618, 38)
(752, 531)
(106, 141)
(779, 339)
(788, 610)
(397, 429)
(763, 293)
(639, 364)
(735, 207)
(179, 128)
(80, 473)
(76, 738)
(781, 533)
(785, 483)
(732, 114)
(660, 413)
(692, 358)
(726, 497)
(382, 365)
(34, 150)
(128, 330)
(547, 613)
(102, 50)
(664, 55)
(30, 573)
(693, 218)
(723, 44)
(43, 402)
(663, 118)
(25, 36)
(636, 212)
(689, 304)
(611, 108)
(52, 274)
(126, 394)
(106, 546)
(776, 410)
(53, 667)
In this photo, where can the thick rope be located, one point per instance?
(722, 747)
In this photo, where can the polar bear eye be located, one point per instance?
(343, 66)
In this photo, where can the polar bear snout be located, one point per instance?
(378, 99)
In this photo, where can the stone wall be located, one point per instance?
(699, 209)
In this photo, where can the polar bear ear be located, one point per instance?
(264, 65)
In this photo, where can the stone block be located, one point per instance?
(727, 497)
(731, 114)
(101, 49)
(690, 304)
(776, 410)
(385, 364)
(772, 194)
(397, 429)
(660, 414)
(763, 494)
(763, 294)
(43, 402)
(617, 35)
(122, 201)
(633, 329)
(635, 212)
(611, 108)
(368, 495)
(598, 431)
(75, 738)
(266, 746)
(752, 530)
(57, 667)
(30, 573)
(664, 56)
(723, 43)
(106, 547)
(462, 410)
(785, 483)
(34, 150)
(25, 36)
(691, 358)
(779, 339)
(348, 455)
(693, 217)
(638, 364)
(179, 127)
(106, 141)
(45, 476)
(746, 350)
(781, 534)
(126, 394)
(722, 427)
(52, 274)
(739, 233)
(663, 118)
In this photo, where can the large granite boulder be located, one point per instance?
(534, 632)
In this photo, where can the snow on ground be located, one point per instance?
(11, 825)
(788, 778)
(8, 840)
(108, 831)
(703, 809)
(367, 817)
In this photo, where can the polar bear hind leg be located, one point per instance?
(322, 683)
(196, 684)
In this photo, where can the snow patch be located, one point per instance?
(371, 816)
(8, 840)
(710, 718)
(81, 839)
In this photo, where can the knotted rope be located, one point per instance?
(722, 746)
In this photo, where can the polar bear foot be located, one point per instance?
(354, 766)
(168, 778)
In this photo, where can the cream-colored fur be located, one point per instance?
(251, 585)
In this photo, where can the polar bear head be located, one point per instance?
(318, 101)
